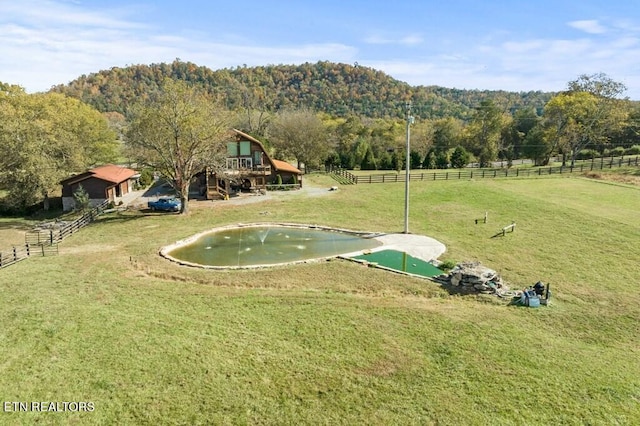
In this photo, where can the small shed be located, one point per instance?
(109, 182)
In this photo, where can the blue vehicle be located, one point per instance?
(165, 204)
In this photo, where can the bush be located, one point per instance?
(618, 151)
(446, 265)
(81, 199)
(146, 178)
(634, 150)
(587, 154)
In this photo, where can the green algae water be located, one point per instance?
(268, 245)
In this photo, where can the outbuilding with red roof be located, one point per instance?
(109, 182)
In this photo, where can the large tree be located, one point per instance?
(586, 114)
(180, 131)
(300, 134)
(446, 134)
(45, 137)
(484, 132)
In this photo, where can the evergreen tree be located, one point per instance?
(459, 158)
(429, 160)
(369, 161)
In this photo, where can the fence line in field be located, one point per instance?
(484, 173)
(44, 242)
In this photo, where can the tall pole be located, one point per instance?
(407, 167)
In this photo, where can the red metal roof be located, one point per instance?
(108, 172)
(285, 167)
(113, 173)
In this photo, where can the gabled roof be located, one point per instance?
(277, 164)
(109, 173)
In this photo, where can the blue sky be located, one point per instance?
(465, 44)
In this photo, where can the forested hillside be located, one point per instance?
(337, 89)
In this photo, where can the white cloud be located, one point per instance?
(408, 40)
(590, 26)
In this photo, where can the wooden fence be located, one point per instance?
(490, 173)
(44, 242)
(344, 177)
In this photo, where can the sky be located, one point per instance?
(464, 44)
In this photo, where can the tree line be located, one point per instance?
(339, 90)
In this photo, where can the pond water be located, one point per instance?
(268, 245)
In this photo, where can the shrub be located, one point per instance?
(634, 150)
(447, 265)
(81, 198)
(146, 178)
(587, 154)
(617, 151)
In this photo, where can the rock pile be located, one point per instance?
(474, 277)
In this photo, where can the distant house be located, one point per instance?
(108, 182)
(249, 168)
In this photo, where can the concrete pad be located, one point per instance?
(419, 246)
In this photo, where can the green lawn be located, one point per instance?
(151, 342)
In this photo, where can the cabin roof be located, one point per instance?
(108, 172)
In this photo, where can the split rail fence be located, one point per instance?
(44, 242)
(345, 177)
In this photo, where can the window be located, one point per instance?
(245, 163)
(232, 163)
(245, 148)
(239, 163)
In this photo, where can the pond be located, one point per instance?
(266, 245)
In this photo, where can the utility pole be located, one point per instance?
(407, 167)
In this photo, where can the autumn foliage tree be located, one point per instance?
(300, 133)
(45, 138)
(586, 114)
(180, 131)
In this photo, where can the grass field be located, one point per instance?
(150, 342)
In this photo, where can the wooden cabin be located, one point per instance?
(108, 182)
(248, 168)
